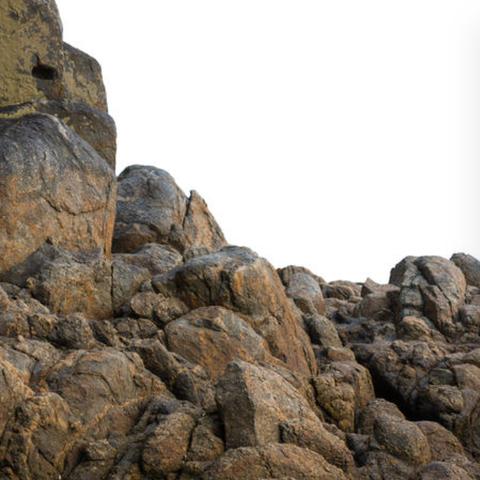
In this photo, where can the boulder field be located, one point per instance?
(137, 344)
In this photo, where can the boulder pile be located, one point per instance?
(137, 344)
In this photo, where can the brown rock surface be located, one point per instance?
(70, 201)
(178, 357)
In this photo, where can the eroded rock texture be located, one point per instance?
(180, 357)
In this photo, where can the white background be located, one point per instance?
(341, 135)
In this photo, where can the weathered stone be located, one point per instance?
(315, 437)
(322, 331)
(402, 439)
(444, 471)
(470, 267)
(430, 286)
(213, 337)
(83, 79)
(69, 202)
(96, 127)
(31, 64)
(305, 291)
(68, 282)
(342, 390)
(166, 449)
(270, 462)
(254, 401)
(152, 208)
(239, 280)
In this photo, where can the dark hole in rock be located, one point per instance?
(44, 72)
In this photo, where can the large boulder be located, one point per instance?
(54, 187)
(151, 208)
(237, 279)
(259, 407)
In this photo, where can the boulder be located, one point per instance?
(470, 267)
(151, 208)
(213, 337)
(304, 288)
(254, 402)
(167, 447)
(54, 188)
(270, 462)
(237, 279)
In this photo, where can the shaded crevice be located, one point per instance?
(44, 72)
(385, 391)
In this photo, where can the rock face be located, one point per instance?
(178, 356)
(152, 208)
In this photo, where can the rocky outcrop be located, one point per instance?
(178, 356)
(41, 73)
(152, 208)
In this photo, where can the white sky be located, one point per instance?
(341, 135)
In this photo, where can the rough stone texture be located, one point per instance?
(31, 64)
(254, 401)
(83, 79)
(213, 337)
(178, 357)
(272, 461)
(152, 208)
(96, 127)
(238, 279)
(470, 267)
(70, 201)
(430, 286)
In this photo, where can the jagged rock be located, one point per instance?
(270, 462)
(188, 382)
(304, 288)
(239, 280)
(254, 401)
(152, 208)
(430, 286)
(126, 282)
(178, 357)
(69, 202)
(443, 444)
(206, 443)
(315, 437)
(155, 258)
